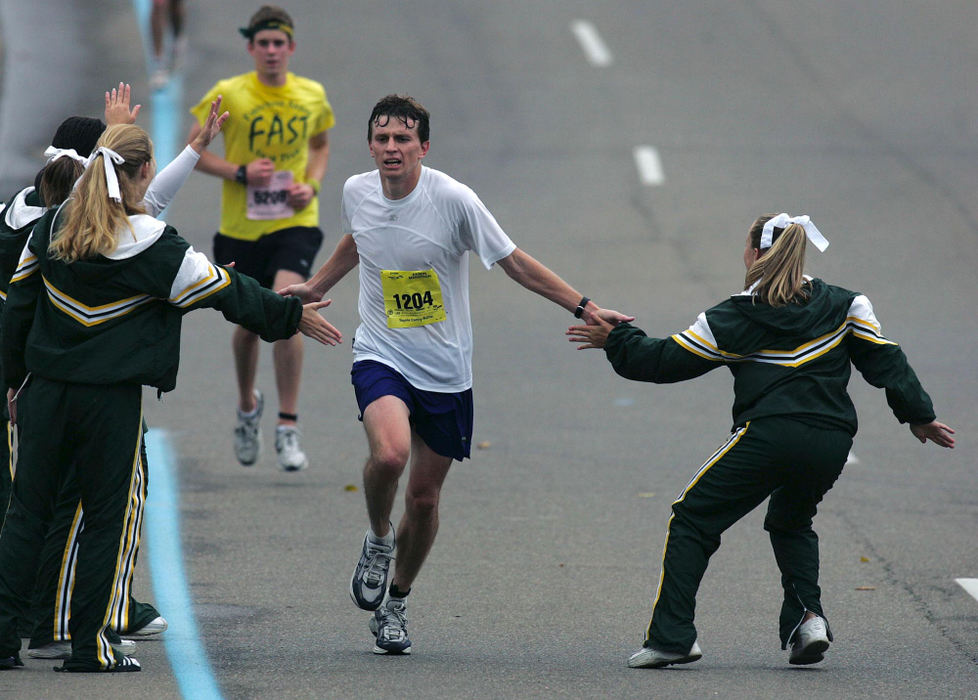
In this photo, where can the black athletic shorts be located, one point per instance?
(292, 249)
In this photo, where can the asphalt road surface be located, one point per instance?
(628, 146)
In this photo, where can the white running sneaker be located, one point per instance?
(62, 650)
(647, 657)
(389, 624)
(155, 626)
(809, 642)
(290, 455)
(159, 79)
(369, 583)
(247, 438)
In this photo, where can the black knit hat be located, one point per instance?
(80, 133)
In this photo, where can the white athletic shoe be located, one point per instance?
(389, 625)
(155, 626)
(62, 650)
(809, 642)
(247, 438)
(290, 455)
(647, 657)
(159, 79)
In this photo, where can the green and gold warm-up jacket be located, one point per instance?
(791, 360)
(116, 318)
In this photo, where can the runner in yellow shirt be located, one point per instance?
(276, 154)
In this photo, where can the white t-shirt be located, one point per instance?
(414, 275)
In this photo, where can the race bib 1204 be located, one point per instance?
(412, 298)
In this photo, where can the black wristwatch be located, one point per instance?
(242, 175)
(579, 311)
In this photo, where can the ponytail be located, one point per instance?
(93, 218)
(779, 272)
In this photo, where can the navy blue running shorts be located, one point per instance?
(442, 420)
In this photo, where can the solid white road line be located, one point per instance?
(595, 49)
(970, 585)
(649, 165)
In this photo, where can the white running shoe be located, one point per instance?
(389, 624)
(247, 438)
(290, 455)
(809, 642)
(155, 626)
(62, 650)
(647, 657)
(369, 583)
(159, 79)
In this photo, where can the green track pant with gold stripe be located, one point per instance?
(785, 458)
(99, 429)
(51, 606)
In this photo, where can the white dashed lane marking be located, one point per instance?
(649, 165)
(595, 50)
(970, 585)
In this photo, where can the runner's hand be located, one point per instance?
(312, 324)
(303, 291)
(938, 433)
(117, 106)
(215, 120)
(259, 172)
(300, 194)
(607, 315)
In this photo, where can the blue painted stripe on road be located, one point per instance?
(165, 102)
(188, 658)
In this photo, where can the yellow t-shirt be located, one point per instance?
(267, 122)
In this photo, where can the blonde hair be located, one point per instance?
(780, 269)
(92, 219)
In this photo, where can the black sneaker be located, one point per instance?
(369, 582)
(9, 662)
(389, 624)
(125, 664)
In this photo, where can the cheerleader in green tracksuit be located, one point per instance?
(47, 625)
(93, 313)
(790, 342)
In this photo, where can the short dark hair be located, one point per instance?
(268, 17)
(403, 108)
(80, 133)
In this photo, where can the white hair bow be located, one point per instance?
(783, 221)
(111, 179)
(53, 153)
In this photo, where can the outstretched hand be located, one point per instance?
(303, 291)
(595, 333)
(313, 324)
(938, 433)
(606, 315)
(212, 126)
(117, 109)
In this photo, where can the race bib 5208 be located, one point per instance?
(272, 200)
(412, 298)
